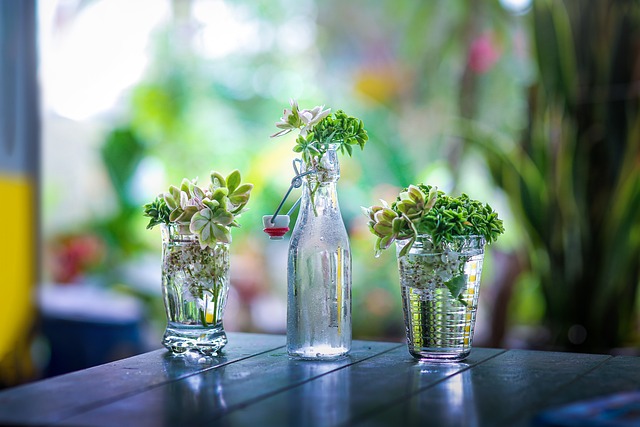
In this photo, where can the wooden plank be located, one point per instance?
(57, 398)
(616, 375)
(200, 399)
(499, 391)
(255, 383)
(353, 392)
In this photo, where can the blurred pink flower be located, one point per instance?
(483, 54)
(71, 256)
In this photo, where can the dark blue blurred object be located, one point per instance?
(87, 326)
(618, 410)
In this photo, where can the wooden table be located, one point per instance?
(254, 383)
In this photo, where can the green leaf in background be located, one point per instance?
(121, 153)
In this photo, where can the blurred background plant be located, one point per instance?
(573, 176)
(521, 106)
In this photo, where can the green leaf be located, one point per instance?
(457, 284)
(184, 199)
(186, 187)
(211, 204)
(407, 247)
(203, 318)
(239, 199)
(233, 181)
(386, 241)
(171, 201)
(221, 233)
(158, 211)
(415, 194)
(383, 229)
(200, 220)
(175, 192)
(244, 189)
(187, 214)
(222, 217)
(349, 149)
(241, 195)
(219, 194)
(217, 180)
(204, 225)
(175, 214)
(197, 192)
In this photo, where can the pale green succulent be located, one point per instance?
(209, 212)
(397, 222)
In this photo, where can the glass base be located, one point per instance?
(207, 341)
(439, 355)
(318, 353)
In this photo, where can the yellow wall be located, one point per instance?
(17, 257)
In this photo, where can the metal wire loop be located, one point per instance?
(296, 182)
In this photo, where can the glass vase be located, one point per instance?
(195, 284)
(439, 285)
(319, 269)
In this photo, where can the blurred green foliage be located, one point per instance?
(573, 177)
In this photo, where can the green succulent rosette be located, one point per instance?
(208, 212)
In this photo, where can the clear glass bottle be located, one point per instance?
(319, 269)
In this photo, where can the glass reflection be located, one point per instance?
(450, 402)
(195, 395)
(180, 365)
(323, 401)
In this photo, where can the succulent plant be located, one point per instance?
(422, 209)
(319, 128)
(209, 212)
(158, 211)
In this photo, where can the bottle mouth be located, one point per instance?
(327, 167)
(322, 178)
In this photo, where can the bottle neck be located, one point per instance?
(319, 197)
(319, 191)
(326, 168)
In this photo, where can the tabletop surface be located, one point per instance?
(254, 383)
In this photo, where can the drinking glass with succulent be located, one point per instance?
(440, 244)
(196, 227)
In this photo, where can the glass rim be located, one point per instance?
(425, 236)
(173, 232)
(471, 241)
